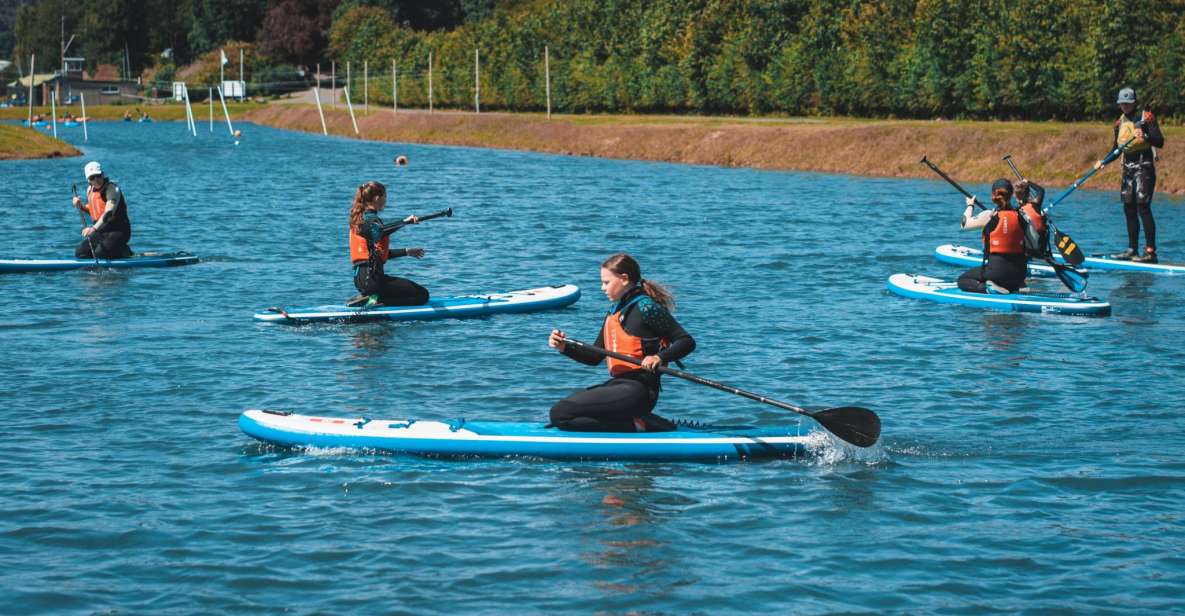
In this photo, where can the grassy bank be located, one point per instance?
(172, 111)
(18, 142)
(1052, 153)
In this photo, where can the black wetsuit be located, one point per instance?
(369, 277)
(613, 405)
(111, 239)
(1139, 182)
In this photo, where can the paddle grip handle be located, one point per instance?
(951, 181)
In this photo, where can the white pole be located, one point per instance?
(189, 113)
(547, 76)
(349, 83)
(53, 105)
(210, 97)
(350, 105)
(85, 120)
(333, 80)
(242, 80)
(394, 87)
(226, 113)
(476, 81)
(320, 112)
(429, 82)
(32, 76)
(366, 85)
(221, 67)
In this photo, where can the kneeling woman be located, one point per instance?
(1006, 264)
(370, 248)
(639, 324)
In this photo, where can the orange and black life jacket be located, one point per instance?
(95, 205)
(360, 251)
(1004, 235)
(618, 340)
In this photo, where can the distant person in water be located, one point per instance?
(110, 230)
(401, 161)
(639, 324)
(1006, 263)
(127, 115)
(1139, 174)
(370, 249)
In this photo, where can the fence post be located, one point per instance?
(333, 80)
(32, 76)
(429, 82)
(476, 81)
(547, 77)
(394, 87)
(210, 97)
(366, 85)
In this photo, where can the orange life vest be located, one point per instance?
(1004, 236)
(618, 340)
(359, 253)
(95, 204)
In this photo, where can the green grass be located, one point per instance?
(18, 142)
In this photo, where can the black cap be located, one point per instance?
(1002, 183)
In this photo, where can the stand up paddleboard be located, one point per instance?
(148, 259)
(964, 255)
(459, 437)
(973, 257)
(448, 307)
(937, 290)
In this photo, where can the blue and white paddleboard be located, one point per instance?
(447, 307)
(459, 437)
(938, 290)
(964, 255)
(973, 257)
(148, 259)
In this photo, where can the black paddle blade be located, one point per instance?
(858, 426)
(1069, 248)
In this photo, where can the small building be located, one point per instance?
(69, 86)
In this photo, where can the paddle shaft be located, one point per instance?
(958, 187)
(691, 377)
(1008, 159)
(1107, 160)
(446, 213)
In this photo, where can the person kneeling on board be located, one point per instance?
(370, 248)
(638, 324)
(1010, 236)
(108, 235)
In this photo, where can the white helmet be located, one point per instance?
(92, 168)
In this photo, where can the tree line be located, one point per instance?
(983, 59)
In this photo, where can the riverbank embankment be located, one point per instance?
(1052, 153)
(18, 143)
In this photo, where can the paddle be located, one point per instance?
(82, 217)
(358, 300)
(1073, 279)
(858, 426)
(975, 200)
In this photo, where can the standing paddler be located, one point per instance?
(1139, 174)
(108, 235)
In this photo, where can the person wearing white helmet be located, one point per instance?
(1139, 174)
(110, 229)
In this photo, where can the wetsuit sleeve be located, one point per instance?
(978, 221)
(1036, 194)
(1152, 133)
(584, 356)
(391, 228)
(659, 320)
(1114, 138)
(397, 252)
(110, 194)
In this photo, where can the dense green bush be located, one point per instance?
(1026, 59)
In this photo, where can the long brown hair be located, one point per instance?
(366, 195)
(623, 264)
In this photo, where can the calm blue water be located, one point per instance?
(1030, 463)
